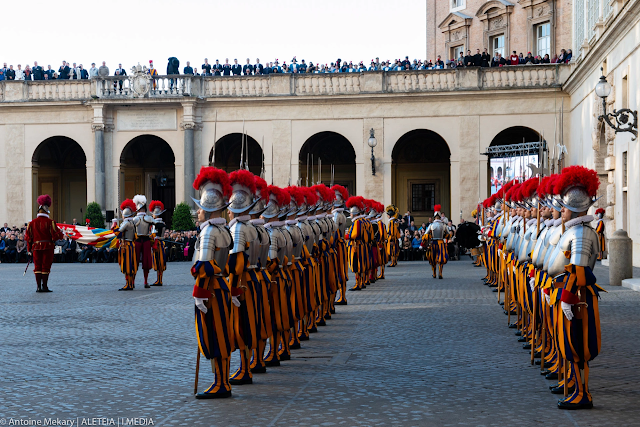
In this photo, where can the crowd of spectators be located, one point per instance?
(179, 246)
(411, 245)
(74, 71)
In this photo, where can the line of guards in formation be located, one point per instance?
(540, 251)
(274, 273)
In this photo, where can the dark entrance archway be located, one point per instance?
(421, 174)
(332, 149)
(59, 168)
(503, 168)
(147, 166)
(228, 153)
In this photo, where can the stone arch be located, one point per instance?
(147, 166)
(508, 136)
(226, 152)
(59, 168)
(331, 148)
(421, 173)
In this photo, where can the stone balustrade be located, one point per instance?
(307, 85)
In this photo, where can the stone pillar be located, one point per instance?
(189, 166)
(620, 258)
(98, 131)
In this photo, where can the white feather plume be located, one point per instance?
(140, 200)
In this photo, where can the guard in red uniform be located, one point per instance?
(41, 235)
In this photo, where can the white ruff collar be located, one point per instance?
(273, 224)
(291, 222)
(532, 221)
(241, 218)
(579, 220)
(302, 218)
(257, 221)
(43, 215)
(212, 221)
(311, 218)
(321, 215)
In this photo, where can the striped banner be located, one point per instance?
(98, 237)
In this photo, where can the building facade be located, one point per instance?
(537, 26)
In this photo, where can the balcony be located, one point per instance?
(534, 77)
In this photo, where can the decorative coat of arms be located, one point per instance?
(140, 80)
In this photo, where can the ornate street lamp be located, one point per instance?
(625, 120)
(372, 143)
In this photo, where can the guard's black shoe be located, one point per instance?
(536, 362)
(560, 390)
(332, 311)
(147, 286)
(312, 330)
(259, 370)
(304, 338)
(518, 334)
(573, 406)
(327, 316)
(494, 290)
(246, 380)
(551, 387)
(513, 326)
(343, 302)
(46, 290)
(284, 356)
(522, 339)
(502, 303)
(219, 395)
(551, 376)
(354, 289)
(321, 322)
(440, 277)
(537, 355)
(526, 346)
(127, 289)
(547, 365)
(157, 284)
(272, 363)
(295, 346)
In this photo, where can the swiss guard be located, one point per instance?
(601, 233)
(41, 235)
(212, 293)
(142, 223)
(158, 254)
(571, 266)
(127, 251)
(437, 236)
(393, 235)
(342, 195)
(357, 245)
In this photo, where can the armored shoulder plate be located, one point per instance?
(264, 241)
(437, 230)
(298, 240)
(127, 230)
(213, 244)
(242, 233)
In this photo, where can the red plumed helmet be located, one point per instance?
(243, 177)
(282, 197)
(542, 188)
(379, 207)
(505, 188)
(577, 176)
(310, 195)
(45, 200)
(128, 203)
(549, 187)
(528, 188)
(296, 194)
(340, 189)
(215, 175)
(437, 208)
(325, 193)
(599, 211)
(367, 204)
(356, 201)
(154, 204)
(261, 186)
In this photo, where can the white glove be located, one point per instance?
(235, 301)
(200, 304)
(548, 298)
(532, 283)
(566, 309)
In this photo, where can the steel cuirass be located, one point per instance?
(263, 243)
(582, 242)
(127, 230)
(298, 239)
(307, 234)
(553, 237)
(437, 230)
(213, 243)
(277, 247)
(142, 224)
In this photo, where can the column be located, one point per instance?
(189, 165)
(98, 131)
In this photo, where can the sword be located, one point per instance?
(27, 267)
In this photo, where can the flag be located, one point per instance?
(98, 237)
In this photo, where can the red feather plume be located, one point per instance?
(44, 200)
(357, 201)
(437, 208)
(542, 188)
(578, 176)
(243, 177)
(325, 193)
(549, 188)
(529, 187)
(343, 191)
(599, 211)
(282, 197)
(296, 194)
(310, 195)
(261, 186)
(215, 175)
(154, 204)
(128, 204)
(380, 207)
(503, 190)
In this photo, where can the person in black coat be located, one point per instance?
(206, 67)
(216, 69)
(477, 58)
(469, 60)
(485, 59)
(236, 68)
(173, 66)
(247, 70)
(84, 74)
(38, 72)
(63, 71)
(10, 74)
(226, 68)
(188, 69)
(258, 68)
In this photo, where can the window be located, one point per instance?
(592, 17)
(423, 197)
(456, 51)
(457, 5)
(497, 45)
(624, 170)
(579, 22)
(543, 39)
(625, 92)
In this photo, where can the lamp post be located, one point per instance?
(626, 120)
(372, 143)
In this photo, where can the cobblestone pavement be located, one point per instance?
(409, 350)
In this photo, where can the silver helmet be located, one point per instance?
(259, 205)
(242, 199)
(211, 197)
(127, 212)
(140, 200)
(272, 209)
(157, 211)
(576, 199)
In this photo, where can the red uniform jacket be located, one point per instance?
(42, 234)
